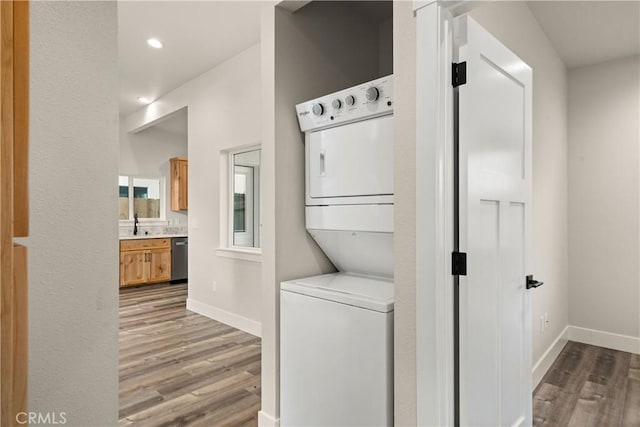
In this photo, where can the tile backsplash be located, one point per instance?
(153, 228)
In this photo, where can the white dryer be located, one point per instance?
(336, 330)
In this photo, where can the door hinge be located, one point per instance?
(459, 263)
(458, 74)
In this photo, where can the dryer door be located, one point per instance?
(351, 160)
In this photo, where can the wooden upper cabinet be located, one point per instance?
(179, 184)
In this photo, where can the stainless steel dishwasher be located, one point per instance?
(179, 258)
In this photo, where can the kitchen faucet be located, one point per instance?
(135, 224)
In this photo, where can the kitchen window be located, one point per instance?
(142, 196)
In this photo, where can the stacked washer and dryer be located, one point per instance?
(336, 330)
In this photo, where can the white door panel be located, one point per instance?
(494, 111)
(352, 160)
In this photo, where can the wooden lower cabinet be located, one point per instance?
(159, 265)
(145, 261)
(132, 267)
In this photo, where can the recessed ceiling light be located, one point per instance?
(155, 43)
(144, 100)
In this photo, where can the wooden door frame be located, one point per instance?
(14, 218)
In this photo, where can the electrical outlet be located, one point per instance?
(542, 323)
(546, 320)
(214, 286)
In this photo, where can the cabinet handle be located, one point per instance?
(323, 154)
(532, 284)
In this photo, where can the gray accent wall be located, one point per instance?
(300, 61)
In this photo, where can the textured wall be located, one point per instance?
(604, 129)
(73, 258)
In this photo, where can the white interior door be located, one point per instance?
(494, 111)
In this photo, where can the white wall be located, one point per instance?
(604, 128)
(515, 26)
(73, 247)
(223, 107)
(147, 153)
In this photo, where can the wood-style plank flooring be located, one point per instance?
(178, 368)
(589, 386)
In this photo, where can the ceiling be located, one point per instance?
(197, 36)
(589, 32)
(175, 123)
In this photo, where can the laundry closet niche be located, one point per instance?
(320, 48)
(325, 54)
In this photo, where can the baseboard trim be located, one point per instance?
(604, 339)
(266, 420)
(544, 363)
(240, 322)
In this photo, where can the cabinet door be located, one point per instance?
(183, 182)
(179, 184)
(159, 265)
(132, 268)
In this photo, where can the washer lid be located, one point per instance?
(359, 291)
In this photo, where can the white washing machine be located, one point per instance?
(336, 351)
(336, 330)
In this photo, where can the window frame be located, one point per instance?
(227, 177)
(163, 199)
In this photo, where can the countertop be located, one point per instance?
(152, 236)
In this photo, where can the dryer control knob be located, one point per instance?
(350, 100)
(318, 109)
(372, 94)
(336, 104)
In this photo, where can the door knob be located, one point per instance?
(531, 283)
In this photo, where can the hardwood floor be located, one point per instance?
(589, 386)
(178, 368)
